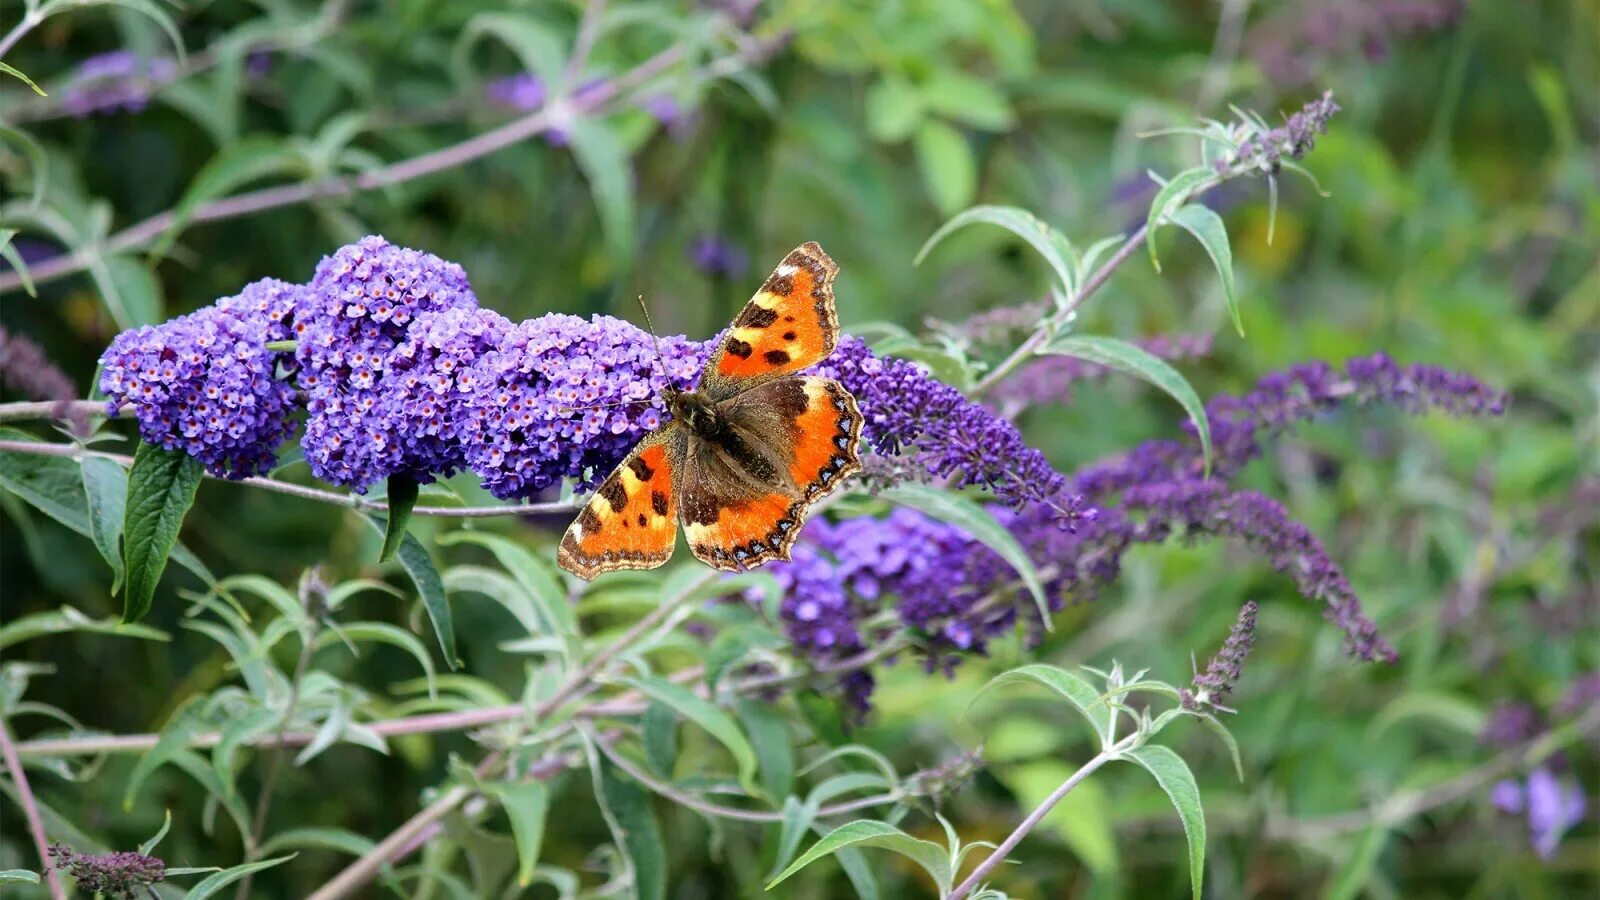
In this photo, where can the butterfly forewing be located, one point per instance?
(631, 521)
(788, 325)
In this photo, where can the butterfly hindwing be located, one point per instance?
(631, 521)
(810, 426)
(788, 325)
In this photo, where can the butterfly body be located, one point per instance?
(745, 453)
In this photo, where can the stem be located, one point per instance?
(30, 811)
(1028, 824)
(23, 27)
(582, 43)
(355, 501)
(35, 410)
(516, 131)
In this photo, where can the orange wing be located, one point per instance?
(788, 325)
(818, 433)
(631, 521)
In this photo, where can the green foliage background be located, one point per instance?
(1461, 228)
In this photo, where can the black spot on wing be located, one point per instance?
(782, 285)
(776, 357)
(739, 348)
(641, 469)
(589, 521)
(789, 335)
(755, 316)
(615, 494)
(658, 502)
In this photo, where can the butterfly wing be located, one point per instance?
(809, 425)
(788, 325)
(631, 521)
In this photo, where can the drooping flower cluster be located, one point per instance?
(1552, 805)
(1292, 45)
(907, 410)
(27, 369)
(125, 875)
(364, 301)
(563, 397)
(206, 384)
(118, 81)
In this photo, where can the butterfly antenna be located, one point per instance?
(660, 357)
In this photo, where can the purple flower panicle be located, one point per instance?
(564, 397)
(1553, 805)
(521, 92)
(205, 384)
(27, 369)
(125, 875)
(364, 301)
(1223, 672)
(907, 410)
(116, 81)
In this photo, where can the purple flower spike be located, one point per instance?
(205, 384)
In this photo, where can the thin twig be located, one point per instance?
(31, 19)
(354, 501)
(582, 44)
(30, 811)
(144, 232)
(1039, 812)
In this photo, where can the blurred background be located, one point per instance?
(1461, 227)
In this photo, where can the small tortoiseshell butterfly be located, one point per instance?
(746, 452)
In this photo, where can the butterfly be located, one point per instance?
(745, 453)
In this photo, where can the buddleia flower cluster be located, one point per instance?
(398, 371)
(206, 384)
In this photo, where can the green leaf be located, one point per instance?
(419, 565)
(934, 859)
(384, 633)
(1215, 726)
(661, 737)
(18, 264)
(949, 170)
(604, 161)
(17, 73)
(1172, 195)
(1039, 235)
(769, 735)
(526, 804)
(717, 723)
(39, 170)
(54, 486)
(981, 525)
(105, 488)
(1356, 872)
(1207, 228)
(1455, 713)
(1172, 773)
(170, 742)
(338, 839)
(402, 498)
(633, 826)
(161, 488)
(147, 8)
(1140, 363)
(69, 619)
(149, 845)
(214, 883)
(533, 573)
(954, 94)
(1080, 693)
(893, 110)
(18, 876)
(130, 290)
(248, 160)
(540, 49)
